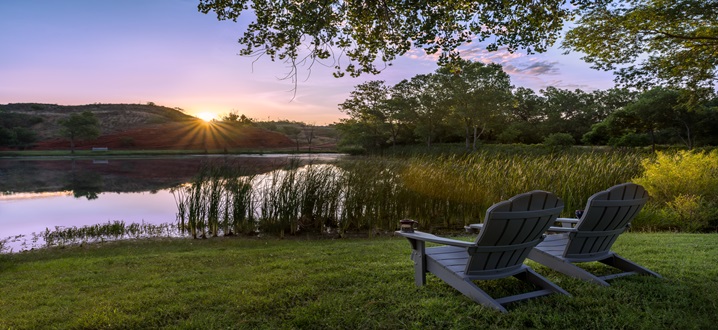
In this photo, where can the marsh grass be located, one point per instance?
(371, 194)
(218, 200)
(485, 178)
(110, 231)
(250, 283)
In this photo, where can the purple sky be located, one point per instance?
(74, 52)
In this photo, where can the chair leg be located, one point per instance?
(531, 276)
(565, 267)
(418, 255)
(465, 286)
(626, 265)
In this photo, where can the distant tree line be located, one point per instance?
(475, 102)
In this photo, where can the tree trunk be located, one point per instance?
(468, 136)
(72, 145)
(478, 134)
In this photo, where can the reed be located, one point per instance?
(217, 201)
(370, 194)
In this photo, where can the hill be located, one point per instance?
(137, 126)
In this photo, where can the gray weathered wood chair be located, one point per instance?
(608, 214)
(510, 230)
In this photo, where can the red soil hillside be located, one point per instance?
(144, 126)
(194, 134)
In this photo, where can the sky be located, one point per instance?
(75, 52)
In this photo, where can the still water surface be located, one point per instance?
(40, 194)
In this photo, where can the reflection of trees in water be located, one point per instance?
(88, 178)
(83, 183)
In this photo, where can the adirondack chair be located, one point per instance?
(511, 228)
(608, 214)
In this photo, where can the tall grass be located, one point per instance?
(371, 194)
(484, 178)
(218, 200)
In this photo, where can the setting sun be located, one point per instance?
(206, 116)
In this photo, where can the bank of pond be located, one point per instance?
(369, 195)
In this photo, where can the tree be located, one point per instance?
(367, 32)
(308, 132)
(235, 117)
(524, 117)
(366, 108)
(293, 132)
(230, 117)
(479, 93)
(652, 42)
(84, 126)
(675, 40)
(659, 116)
(24, 137)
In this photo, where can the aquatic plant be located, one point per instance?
(371, 194)
(112, 230)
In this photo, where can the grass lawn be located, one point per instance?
(335, 284)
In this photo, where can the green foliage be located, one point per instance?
(15, 129)
(353, 150)
(235, 117)
(652, 42)
(7, 137)
(370, 194)
(559, 140)
(475, 104)
(367, 34)
(631, 140)
(24, 137)
(684, 188)
(110, 231)
(657, 116)
(476, 96)
(368, 115)
(82, 125)
(12, 119)
(686, 173)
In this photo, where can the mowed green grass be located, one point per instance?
(335, 284)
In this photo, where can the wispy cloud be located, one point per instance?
(533, 69)
(516, 63)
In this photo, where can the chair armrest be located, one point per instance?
(567, 222)
(421, 236)
(474, 227)
(553, 229)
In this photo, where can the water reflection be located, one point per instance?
(37, 194)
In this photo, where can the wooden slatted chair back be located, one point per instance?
(608, 214)
(511, 229)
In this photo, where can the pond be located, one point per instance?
(40, 194)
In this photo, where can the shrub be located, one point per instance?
(684, 186)
(685, 173)
(352, 150)
(559, 140)
(631, 140)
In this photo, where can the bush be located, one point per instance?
(631, 140)
(352, 150)
(684, 187)
(559, 140)
(683, 173)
